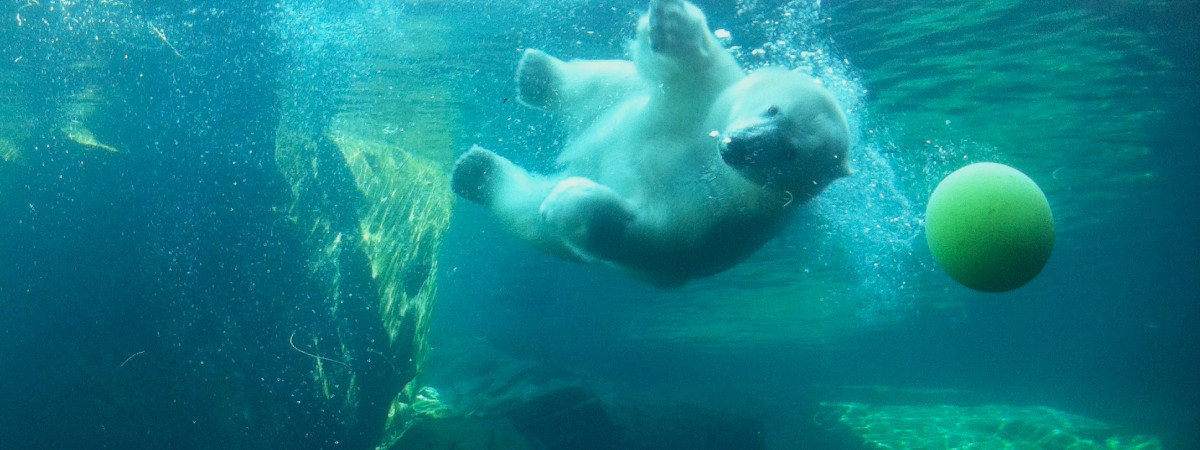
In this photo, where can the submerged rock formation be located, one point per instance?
(202, 251)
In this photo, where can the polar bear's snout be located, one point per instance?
(759, 143)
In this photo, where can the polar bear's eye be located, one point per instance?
(772, 111)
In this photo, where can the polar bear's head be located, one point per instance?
(785, 132)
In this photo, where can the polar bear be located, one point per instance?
(680, 165)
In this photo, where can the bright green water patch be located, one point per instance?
(78, 119)
(8, 150)
(15, 120)
(978, 427)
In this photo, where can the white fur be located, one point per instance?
(643, 185)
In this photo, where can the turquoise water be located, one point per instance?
(1090, 100)
(154, 272)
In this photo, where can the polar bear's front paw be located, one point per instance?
(677, 28)
(588, 216)
(539, 79)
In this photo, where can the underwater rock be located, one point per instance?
(464, 433)
(685, 426)
(375, 216)
(565, 417)
(554, 408)
(557, 409)
(370, 190)
(200, 257)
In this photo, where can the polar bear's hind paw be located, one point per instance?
(474, 176)
(591, 217)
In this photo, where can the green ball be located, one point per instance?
(989, 227)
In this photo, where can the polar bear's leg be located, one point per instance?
(591, 219)
(539, 79)
(579, 88)
(479, 175)
(676, 28)
(675, 47)
(513, 195)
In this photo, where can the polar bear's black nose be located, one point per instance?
(753, 145)
(735, 151)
